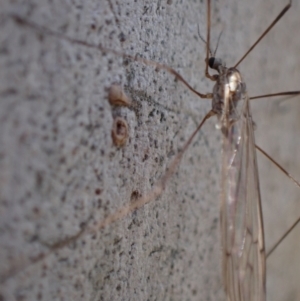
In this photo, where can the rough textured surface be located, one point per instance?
(59, 169)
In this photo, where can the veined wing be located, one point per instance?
(241, 214)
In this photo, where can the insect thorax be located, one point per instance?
(229, 95)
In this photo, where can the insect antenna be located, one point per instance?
(203, 40)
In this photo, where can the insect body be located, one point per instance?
(242, 232)
(241, 216)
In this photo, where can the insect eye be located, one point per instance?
(215, 63)
(211, 62)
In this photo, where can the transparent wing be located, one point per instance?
(241, 215)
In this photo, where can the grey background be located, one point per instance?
(59, 169)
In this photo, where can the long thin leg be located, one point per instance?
(278, 165)
(119, 214)
(158, 189)
(286, 233)
(283, 237)
(211, 77)
(159, 66)
(286, 8)
(288, 93)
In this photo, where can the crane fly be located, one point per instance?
(244, 274)
(241, 221)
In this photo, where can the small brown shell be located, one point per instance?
(119, 131)
(117, 96)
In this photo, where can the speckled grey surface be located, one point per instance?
(60, 171)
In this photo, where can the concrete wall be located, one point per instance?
(60, 171)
